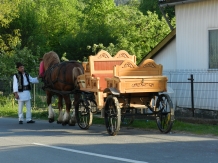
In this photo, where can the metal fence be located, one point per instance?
(38, 95)
(203, 94)
(194, 88)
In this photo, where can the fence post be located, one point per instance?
(34, 96)
(192, 94)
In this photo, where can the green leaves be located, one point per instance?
(67, 27)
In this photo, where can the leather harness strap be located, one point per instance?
(47, 78)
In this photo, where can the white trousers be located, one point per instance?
(28, 110)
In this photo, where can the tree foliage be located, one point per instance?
(153, 6)
(9, 37)
(31, 28)
(133, 31)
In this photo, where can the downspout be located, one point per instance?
(167, 20)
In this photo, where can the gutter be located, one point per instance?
(177, 3)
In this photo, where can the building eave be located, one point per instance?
(164, 3)
(160, 46)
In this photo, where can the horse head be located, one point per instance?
(50, 59)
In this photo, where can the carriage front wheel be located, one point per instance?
(83, 113)
(165, 116)
(112, 115)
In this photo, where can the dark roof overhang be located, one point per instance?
(164, 3)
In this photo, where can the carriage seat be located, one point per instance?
(102, 81)
(100, 67)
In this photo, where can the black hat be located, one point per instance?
(18, 64)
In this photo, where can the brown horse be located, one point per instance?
(60, 78)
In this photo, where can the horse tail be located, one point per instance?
(76, 72)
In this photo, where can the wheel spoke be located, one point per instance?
(164, 119)
(83, 114)
(112, 115)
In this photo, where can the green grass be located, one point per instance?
(178, 126)
(10, 110)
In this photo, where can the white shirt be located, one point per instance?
(25, 95)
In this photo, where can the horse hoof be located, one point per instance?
(50, 120)
(72, 124)
(58, 122)
(64, 123)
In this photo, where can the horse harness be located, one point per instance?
(49, 83)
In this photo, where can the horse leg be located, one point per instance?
(72, 121)
(60, 107)
(67, 111)
(51, 113)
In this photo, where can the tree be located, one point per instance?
(153, 6)
(9, 38)
(94, 27)
(10, 41)
(46, 25)
(134, 32)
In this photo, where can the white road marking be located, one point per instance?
(91, 154)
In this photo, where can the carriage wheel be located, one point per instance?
(93, 106)
(127, 117)
(112, 115)
(165, 116)
(84, 115)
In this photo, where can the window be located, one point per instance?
(213, 49)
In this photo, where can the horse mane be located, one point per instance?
(50, 59)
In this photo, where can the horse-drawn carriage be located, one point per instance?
(114, 86)
(122, 90)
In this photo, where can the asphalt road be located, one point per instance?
(43, 142)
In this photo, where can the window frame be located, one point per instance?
(209, 53)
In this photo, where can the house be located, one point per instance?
(191, 49)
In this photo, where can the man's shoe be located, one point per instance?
(20, 122)
(31, 121)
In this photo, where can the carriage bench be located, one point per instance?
(99, 68)
(130, 78)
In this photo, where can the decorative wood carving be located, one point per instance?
(150, 64)
(143, 85)
(128, 65)
(122, 54)
(103, 54)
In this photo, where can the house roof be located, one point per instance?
(160, 46)
(164, 3)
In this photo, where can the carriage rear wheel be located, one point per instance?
(165, 116)
(112, 115)
(83, 113)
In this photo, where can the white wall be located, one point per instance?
(192, 23)
(168, 56)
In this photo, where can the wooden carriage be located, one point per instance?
(99, 68)
(120, 88)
